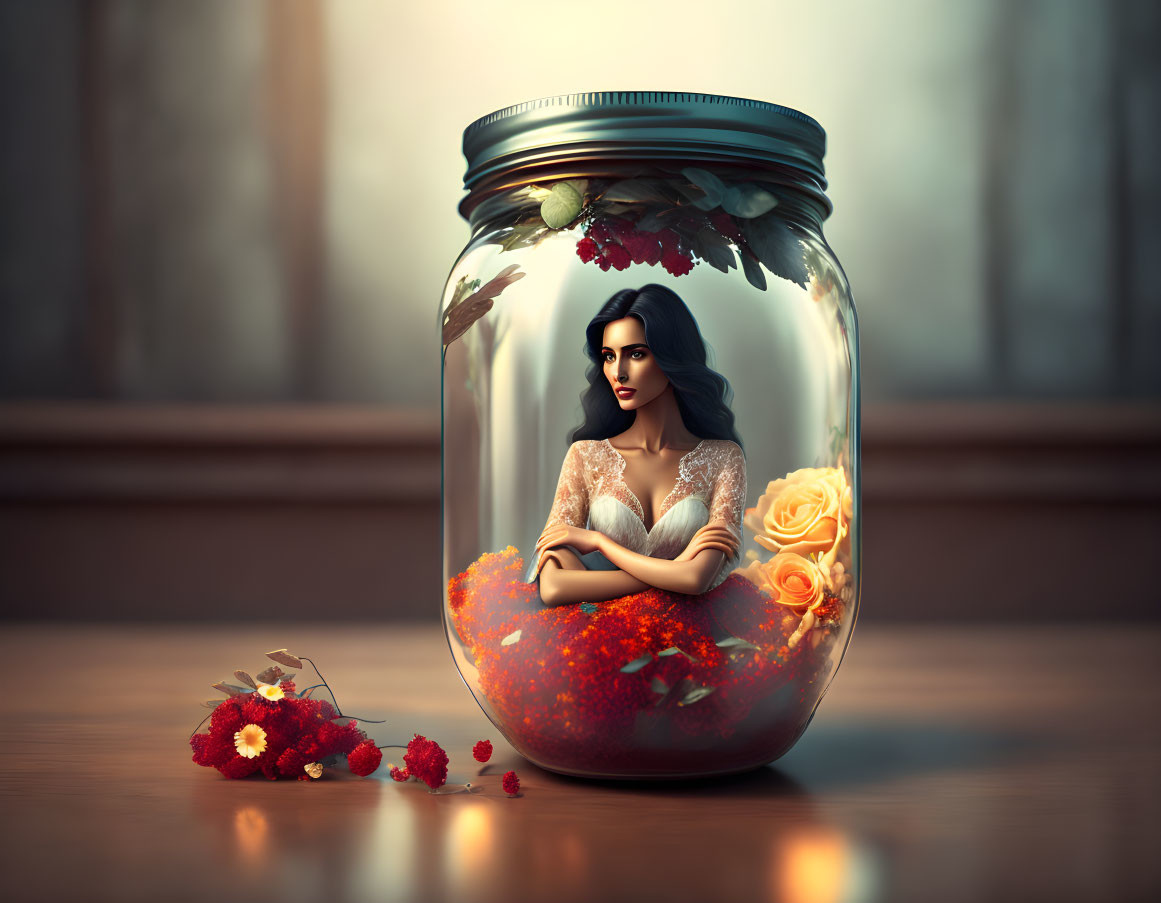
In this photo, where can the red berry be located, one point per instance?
(586, 249)
(510, 783)
(482, 751)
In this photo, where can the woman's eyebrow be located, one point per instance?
(605, 348)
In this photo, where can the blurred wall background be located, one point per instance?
(224, 228)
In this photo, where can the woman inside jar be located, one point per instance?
(652, 488)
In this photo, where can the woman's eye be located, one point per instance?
(608, 357)
(638, 355)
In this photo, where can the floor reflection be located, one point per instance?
(755, 837)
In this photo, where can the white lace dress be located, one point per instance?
(710, 488)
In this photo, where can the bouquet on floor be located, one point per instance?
(266, 724)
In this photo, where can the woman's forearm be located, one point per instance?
(691, 577)
(559, 586)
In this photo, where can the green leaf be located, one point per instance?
(562, 206)
(713, 187)
(714, 248)
(229, 689)
(212, 704)
(696, 695)
(524, 235)
(637, 664)
(748, 200)
(673, 650)
(656, 220)
(635, 191)
(588, 608)
(735, 642)
(511, 638)
(753, 271)
(777, 247)
(659, 686)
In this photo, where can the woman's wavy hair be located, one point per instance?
(703, 395)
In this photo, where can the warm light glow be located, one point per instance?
(251, 829)
(470, 844)
(811, 867)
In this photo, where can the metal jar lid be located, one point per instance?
(643, 125)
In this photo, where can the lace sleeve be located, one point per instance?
(570, 505)
(729, 493)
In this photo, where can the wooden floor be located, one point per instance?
(945, 764)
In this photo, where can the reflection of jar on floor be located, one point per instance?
(651, 433)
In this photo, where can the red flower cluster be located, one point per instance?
(482, 751)
(365, 758)
(298, 731)
(510, 783)
(619, 686)
(399, 774)
(614, 242)
(426, 760)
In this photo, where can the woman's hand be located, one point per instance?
(584, 541)
(711, 536)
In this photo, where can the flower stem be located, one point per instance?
(338, 707)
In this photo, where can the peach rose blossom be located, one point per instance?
(805, 512)
(789, 578)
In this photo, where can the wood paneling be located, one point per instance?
(970, 511)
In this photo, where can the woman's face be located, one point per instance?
(630, 367)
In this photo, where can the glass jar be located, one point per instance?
(650, 433)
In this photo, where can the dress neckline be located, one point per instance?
(664, 507)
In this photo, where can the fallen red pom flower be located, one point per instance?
(482, 751)
(364, 758)
(427, 761)
(510, 783)
(399, 774)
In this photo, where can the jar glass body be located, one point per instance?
(659, 682)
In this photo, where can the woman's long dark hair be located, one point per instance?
(703, 396)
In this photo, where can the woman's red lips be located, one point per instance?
(625, 392)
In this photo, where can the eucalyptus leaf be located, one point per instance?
(229, 689)
(672, 650)
(777, 247)
(748, 200)
(246, 679)
(634, 191)
(342, 721)
(659, 686)
(524, 235)
(285, 658)
(713, 187)
(656, 220)
(212, 704)
(562, 206)
(271, 675)
(735, 642)
(753, 271)
(637, 664)
(588, 607)
(714, 248)
(511, 638)
(696, 695)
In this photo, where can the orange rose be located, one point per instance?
(804, 512)
(791, 579)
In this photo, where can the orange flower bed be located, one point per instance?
(651, 682)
